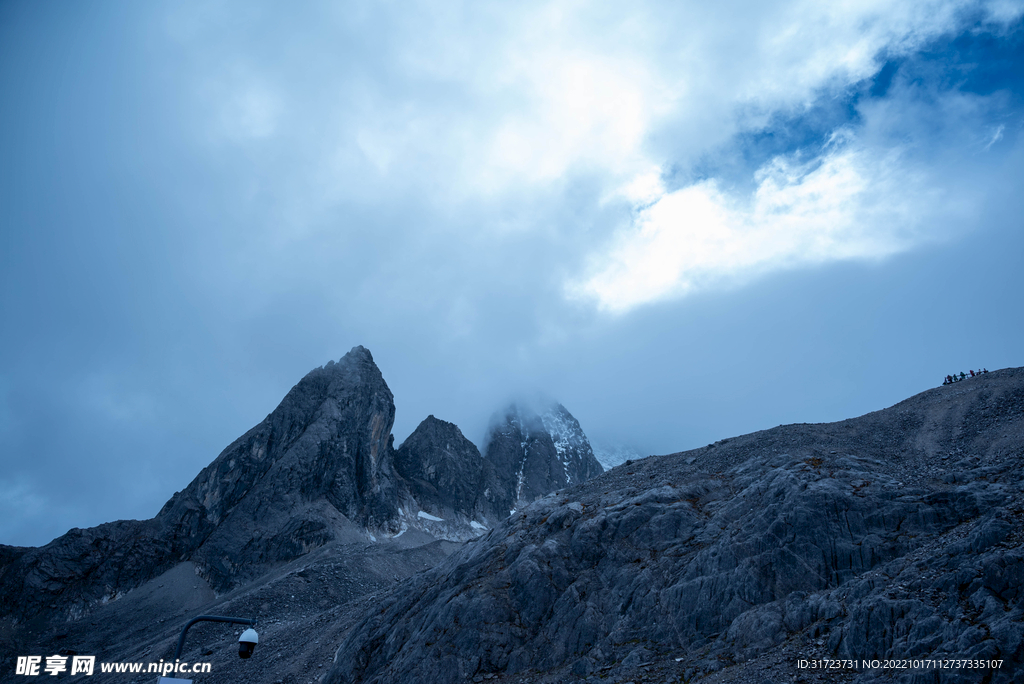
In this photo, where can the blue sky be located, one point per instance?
(683, 221)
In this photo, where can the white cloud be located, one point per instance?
(1004, 11)
(494, 111)
(997, 135)
(582, 111)
(642, 189)
(559, 87)
(847, 204)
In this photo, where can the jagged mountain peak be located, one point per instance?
(571, 443)
(318, 468)
(335, 422)
(432, 425)
(324, 395)
(354, 368)
(441, 468)
(319, 463)
(536, 448)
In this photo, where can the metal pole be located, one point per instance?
(208, 618)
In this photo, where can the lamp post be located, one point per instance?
(215, 618)
(246, 643)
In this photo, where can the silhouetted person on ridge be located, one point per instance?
(962, 376)
(972, 373)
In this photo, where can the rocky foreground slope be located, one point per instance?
(893, 536)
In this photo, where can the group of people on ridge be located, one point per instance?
(950, 379)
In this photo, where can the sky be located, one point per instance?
(683, 220)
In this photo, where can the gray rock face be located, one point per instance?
(318, 468)
(443, 470)
(84, 567)
(895, 535)
(572, 447)
(320, 464)
(533, 454)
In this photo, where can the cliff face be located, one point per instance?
(894, 535)
(572, 448)
(442, 469)
(319, 467)
(534, 453)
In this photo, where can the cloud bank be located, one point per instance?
(508, 116)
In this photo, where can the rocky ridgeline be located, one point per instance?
(895, 535)
(320, 468)
(528, 455)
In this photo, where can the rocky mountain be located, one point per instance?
(443, 469)
(893, 537)
(318, 468)
(528, 454)
(318, 474)
(534, 453)
(447, 480)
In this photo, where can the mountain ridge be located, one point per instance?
(896, 534)
(320, 467)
